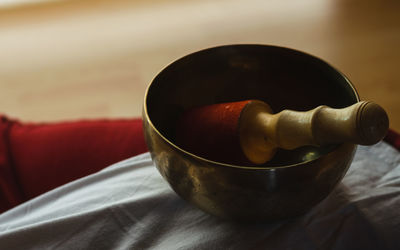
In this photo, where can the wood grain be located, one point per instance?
(87, 59)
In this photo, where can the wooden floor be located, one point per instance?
(87, 59)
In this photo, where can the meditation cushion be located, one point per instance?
(38, 157)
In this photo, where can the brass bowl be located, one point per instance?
(289, 185)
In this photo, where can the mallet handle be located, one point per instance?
(363, 123)
(261, 132)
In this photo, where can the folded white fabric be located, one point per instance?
(129, 206)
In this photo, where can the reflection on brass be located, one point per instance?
(293, 181)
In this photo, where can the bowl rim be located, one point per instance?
(181, 150)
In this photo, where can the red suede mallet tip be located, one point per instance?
(212, 132)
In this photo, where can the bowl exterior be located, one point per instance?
(248, 194)
(283, 78)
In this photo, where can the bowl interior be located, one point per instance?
(282, 77)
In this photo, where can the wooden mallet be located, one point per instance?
(247, 132)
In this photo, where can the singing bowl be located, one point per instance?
(293, 182)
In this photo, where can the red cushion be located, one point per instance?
(393, 138)
(35, 158)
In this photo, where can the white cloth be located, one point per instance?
(129, 206)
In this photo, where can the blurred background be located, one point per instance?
(84, 59)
